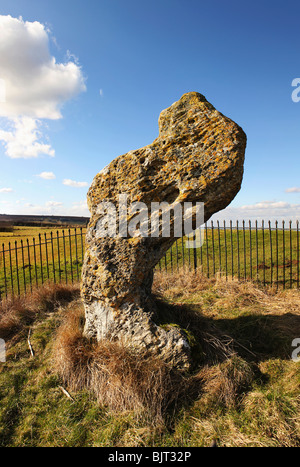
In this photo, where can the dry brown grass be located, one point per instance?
(231, 293)
(120, 378)
(17, 313)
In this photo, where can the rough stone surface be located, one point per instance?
(198, 156)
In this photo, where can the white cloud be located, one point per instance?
(54, 204)
(263, 210)
(6, 190)
(22, 140)
(263, 205)
(55, 208)
(47, 175)
(74, 184)
(36, 86)
(101, 92)
(294, 189)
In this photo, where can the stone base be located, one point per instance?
(134, 328)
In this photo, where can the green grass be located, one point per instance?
(31, 256)
(243, 388)
(268, 257)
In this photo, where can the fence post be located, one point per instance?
(283, 249)
(256, 245)
(58, 256)
(213, 247)
(47, 259)
(297, 254)
(250, 246)
(195, 251)
(71, 260)
(41, 259)
(244, 247)
(207, 255)
(225, 244)
(53, 262)
(264, 255)
(291, 257)
(231, 243)
(65, 258)
(17, 267)
(271, 252)
(238, 247)
(23, 265)
(29, 264)
(11, 271)
(277, 254)
(219, 241)
(35, 266)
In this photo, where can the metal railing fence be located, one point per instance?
(267, 254)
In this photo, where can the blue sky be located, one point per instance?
(114, 65)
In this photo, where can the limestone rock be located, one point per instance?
(198, 156)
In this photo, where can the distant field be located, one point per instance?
(25, 232)
(30, 256)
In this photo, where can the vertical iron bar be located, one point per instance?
(231, 243)
(82, 254)
(277, 256)
(53, 262)
(41, 259)
(4, 270)
(58, 255)
(35, 266)
(23, 265)
(182, 250)
(213, 247)
(65, 258)
(47, 259)
(297, 254)
(200, 238)
(238, 247)
(264, 254)
(225, 240)
(244, 247)
(283, 252)
(207, 255)
(71, 260)
(17, 267)
(29, 263)
(256, 244)
(195, 250)
(177, 254)
(76, 253)
(291, 257)
(271, 252)
(11, 271)
(250, 246)
(219, 241)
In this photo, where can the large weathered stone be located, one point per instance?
(198, 156)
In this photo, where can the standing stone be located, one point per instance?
(197, 157)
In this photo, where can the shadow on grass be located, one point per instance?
(255, 338)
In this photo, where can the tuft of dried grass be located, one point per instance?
(17, 313)
(233, 292)
(226, 383)
(118, 377)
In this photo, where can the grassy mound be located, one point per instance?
(243, 388)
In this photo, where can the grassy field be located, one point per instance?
(243, 388)
(30, 256)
